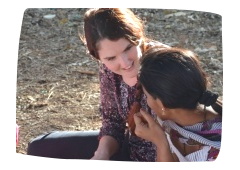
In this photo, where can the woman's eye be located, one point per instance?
(128, 48)
(110, 58)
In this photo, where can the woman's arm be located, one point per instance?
(113, 125)
(106, 148)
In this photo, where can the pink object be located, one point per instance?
(8, 137)
(17, 130)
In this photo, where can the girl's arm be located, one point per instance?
(165, 159)
(150, 130)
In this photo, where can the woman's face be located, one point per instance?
(121, 57)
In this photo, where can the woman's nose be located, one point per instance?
(124, 61)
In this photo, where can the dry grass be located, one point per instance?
(67, 104)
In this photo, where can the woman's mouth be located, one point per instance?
(129, 67)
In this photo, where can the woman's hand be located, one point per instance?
(97, 165)
(147, 128)
(106, 148)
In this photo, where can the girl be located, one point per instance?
(177, 90)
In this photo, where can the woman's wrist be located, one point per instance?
(107, 147)
(98, 155)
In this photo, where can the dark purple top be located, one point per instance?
(116, 100)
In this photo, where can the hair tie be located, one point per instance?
(208, 98)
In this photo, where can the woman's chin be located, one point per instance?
(130, 81)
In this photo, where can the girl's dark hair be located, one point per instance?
(113, 24)
(174, 75)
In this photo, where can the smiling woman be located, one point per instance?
(112, 36)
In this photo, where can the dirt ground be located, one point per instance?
(57, 82)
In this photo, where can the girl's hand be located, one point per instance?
(150, 130)
(147, 128)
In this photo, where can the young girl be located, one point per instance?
(177, 91)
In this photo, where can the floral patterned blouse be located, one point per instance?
(116, 100)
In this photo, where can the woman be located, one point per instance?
(114, 36)
(176, 89)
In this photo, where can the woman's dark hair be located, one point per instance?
(113, 24)
(174, 75)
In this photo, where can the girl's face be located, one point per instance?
(121, 57)
(155, 105)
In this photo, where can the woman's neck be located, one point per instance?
(130, 81)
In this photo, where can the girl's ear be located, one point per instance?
(159, 103)
(161, 107)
